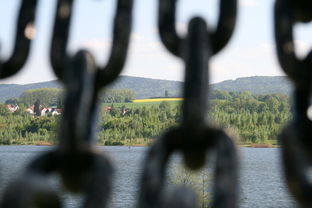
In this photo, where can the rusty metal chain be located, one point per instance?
(194, 137)
(296, 137)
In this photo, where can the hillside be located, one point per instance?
(256, 85)
(142, 87)
(146, 87)
(15, 90)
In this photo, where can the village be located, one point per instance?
(42, 111)
(54, 110)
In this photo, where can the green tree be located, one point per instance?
(37, 108)
(12, 101)
(4, 110)
(118, 96)
(47, 96)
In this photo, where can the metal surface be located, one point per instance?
(83, 170)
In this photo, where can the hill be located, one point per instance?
(15, 90)
(142, 87)
(256, 85)
(146, 87)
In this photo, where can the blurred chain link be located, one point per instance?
(296, 137)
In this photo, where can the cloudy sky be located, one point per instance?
(249, 53)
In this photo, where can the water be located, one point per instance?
(261, 181)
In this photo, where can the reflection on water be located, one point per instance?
(261, 181)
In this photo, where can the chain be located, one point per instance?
(295, 138)
(21, 48)
(80, 167)
(194, 137)
(85, 171)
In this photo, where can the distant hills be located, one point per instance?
(146, 87)
(256, 85)
(15, 90)
(142, 87)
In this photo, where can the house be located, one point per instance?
(12, 107)
(45, 111)
(31, 109)
(52, 111)
(107, 108)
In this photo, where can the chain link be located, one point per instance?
(295, 138)
(193, 138)
(219, 38)
(25, 20)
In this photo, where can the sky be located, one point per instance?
(250, 52)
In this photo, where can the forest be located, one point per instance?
(253, 118)
(55, 97)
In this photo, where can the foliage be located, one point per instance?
(3, 110)
(138, 122)
(118, 96)
(26, 129)
(255, 118)
(12, 101)
(47, 97)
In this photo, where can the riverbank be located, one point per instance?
(260, 145)
(142, 143)
(139, 142)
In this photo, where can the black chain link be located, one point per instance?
(193, 138)
(296, 137)
(22, 42)
(84, 170)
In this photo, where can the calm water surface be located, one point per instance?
(261, 181)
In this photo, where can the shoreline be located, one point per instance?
(254, 145)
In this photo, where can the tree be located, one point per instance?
(219, 94)
(12, 101)
(118, 96)
(164, 105)
(47, 96)
(37, 108)
(21, 109)
(4, 110)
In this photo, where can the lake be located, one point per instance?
(260, 174)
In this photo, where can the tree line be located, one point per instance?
(254, 118)
(55, 97)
